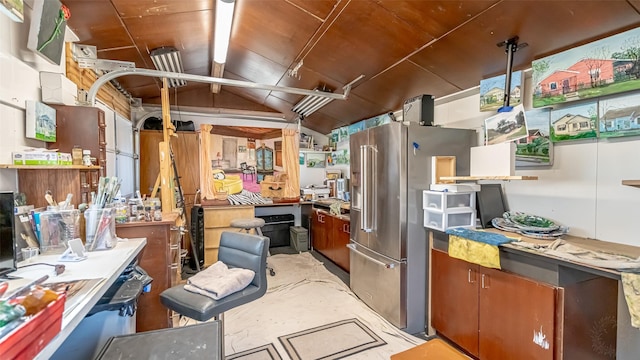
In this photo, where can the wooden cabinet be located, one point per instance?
(83, 126)
(494, 314)
(216, 220)
(330, 236)
(78, 180)
(161, 260)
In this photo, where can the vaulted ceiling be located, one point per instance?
(403, 48)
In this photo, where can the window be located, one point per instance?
(278, 149)
(608, 123)
(584, 124)
(553, 86)
(562, 127)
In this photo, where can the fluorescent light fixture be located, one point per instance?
(167, 58)
(310, 103)
(224, 19)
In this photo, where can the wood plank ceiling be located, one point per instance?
(404, 48)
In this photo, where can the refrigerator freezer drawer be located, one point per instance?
(379, 282)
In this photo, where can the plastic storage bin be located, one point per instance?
(442, 221)
(449, 201)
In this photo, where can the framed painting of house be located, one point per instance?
(575, 122)
(603, 67)
(506, 126)
(492, 91)
(536, 149)
(619, 116)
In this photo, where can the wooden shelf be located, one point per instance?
(635, 183)
(475, 178)
(49, 167)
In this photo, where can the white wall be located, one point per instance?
(19, 81)
(582, 189)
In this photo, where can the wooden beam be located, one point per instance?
(166, 180)
(217, 70)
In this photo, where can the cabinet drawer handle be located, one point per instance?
(469, 277)
(484, 287)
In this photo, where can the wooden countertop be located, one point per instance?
(328, 202)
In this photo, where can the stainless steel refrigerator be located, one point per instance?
(390, 167)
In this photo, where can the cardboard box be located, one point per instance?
(58, 89)
(34, 158)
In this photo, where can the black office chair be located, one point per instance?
(240, 250)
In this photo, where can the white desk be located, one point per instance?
(107, 264)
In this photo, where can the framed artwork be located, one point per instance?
(40, 121)
(14, 9)
(377, 120)
(46, 33)
(343, 133)
(242, 149)
(619, 116)
(574, 122)
(506, 126)
(354, 128)
(492, 91)
(340, 157)
(604, 67)
(536, 149)
(316, 160)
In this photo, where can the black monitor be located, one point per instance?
(490, 203)
(7, 241)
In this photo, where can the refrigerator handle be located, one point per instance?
(364, 176)
(385, 265)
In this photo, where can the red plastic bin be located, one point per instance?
(28, 339)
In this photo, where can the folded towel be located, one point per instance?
(218, 281)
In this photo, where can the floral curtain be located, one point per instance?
(290, 158)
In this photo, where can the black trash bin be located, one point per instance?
(276, 228)
(114, 314)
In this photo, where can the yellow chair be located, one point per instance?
(231, 184)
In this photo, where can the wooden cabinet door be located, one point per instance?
(454, 300)
(340, 240)
(319, 231)
(517, 317)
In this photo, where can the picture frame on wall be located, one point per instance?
(40, 121)
(47, 29)
(492, 91)
(14, 9)
(600, 68)
(576, 122)
(536, 149)
(506, 126)
(316, 160)
(619, 116)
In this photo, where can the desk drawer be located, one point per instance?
(221, 217)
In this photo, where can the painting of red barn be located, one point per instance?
(604, 67)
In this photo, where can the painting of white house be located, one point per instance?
(574, 122)
(40, 121)
(492, 91)
(535, 149)
(506, 126)
(603, 67)
(619, 116)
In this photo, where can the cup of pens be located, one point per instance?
(100, 229)
(100, 217)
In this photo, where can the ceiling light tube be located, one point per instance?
(168, 58)
(224, 19)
